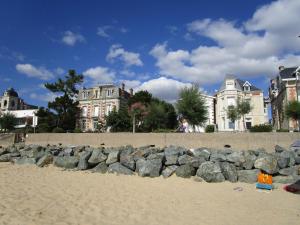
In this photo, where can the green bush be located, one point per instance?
(282, 130)
(77, 130)
(58, 130)
(209, 129)
(261, 128)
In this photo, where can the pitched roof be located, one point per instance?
(287, 73)
(238, 84)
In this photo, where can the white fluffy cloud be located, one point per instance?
(70, 38)
(100, 75)
(128, 58)
(255, 48)
(32, 71)
(164, 88)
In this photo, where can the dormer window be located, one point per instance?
(247, 86)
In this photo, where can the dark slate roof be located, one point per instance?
(12, 92)
(287, 73)
(252, 87)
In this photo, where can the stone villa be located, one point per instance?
(97, 102)
(231, 91)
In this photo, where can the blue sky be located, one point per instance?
(160, 46)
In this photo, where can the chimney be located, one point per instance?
(281, 68)
(131, 92)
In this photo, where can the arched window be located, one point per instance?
(5, 103)
(96, 111)
(13, 103)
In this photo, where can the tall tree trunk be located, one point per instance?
(133, 123)
(244, 123)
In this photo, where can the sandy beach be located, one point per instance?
(31, 195)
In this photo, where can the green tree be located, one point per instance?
(143, 97)
(292, 110)
(232, 113)
(8, 122)
(65, 105)
(46, 120)
(191, 105)
(137, 112)
(243, 108)
(119, 121)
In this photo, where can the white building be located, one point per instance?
(231, 91)
(11, 103)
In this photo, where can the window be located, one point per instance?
(95, 124)
(230, 85)
(108, 109)
(231, 125)
(248, 125)
(83, 125)
(84, 111)
(231, 101)
(5, 103)
(246, 88)
(109, 92)
(96, 94)
(13, 103)
(96, 111)
(84, 95)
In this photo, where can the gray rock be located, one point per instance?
(249, 161)
(229, 171)
(279, 149)
(295, 146)
(184, 159)
(127, 159)
(97, 157)
(45, 160)
(15, 154)
(202, 152)
(5, 157)
(237, 157)
(171, 160)
(113, 157)
(185, 171)
(291, 155)
(248, 176)
(68, 152)
(197, 161)
(100, 168)
(68, 162)
(24, 160)
(290, 171)
(297, 160)
(150, 167)
(217, 157)
(119, 169)
(210, 172)
(283, 179)
(175, 150)
(267, 163)
(36, 152)
(168, 171)
(83, 160)
(3, 151)
(283, 162)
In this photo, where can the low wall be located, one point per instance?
(7, 139)
(241, 141)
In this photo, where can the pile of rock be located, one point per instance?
(211, 165)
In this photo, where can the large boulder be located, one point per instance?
(295, 146)
(126, 158)
(185, 159)
(248, 176)
(249, 161)
(237, 157)
(283, 162)
(210, 172)
(290, 155)
(5, 157)
(185, 171)
(217, 157)
(119, 169)
(113, 157)
(171, 159)
(25, 160)
(229, 171)
(33, 151)
(294, 170)
(267, 164)
(45, 160)
(97, 157)
(83, 160)
(284, 179)
(3, 151)
(149, 168)
(202, 152)
(67, 162)
(168, 171)
(279, 149)
(175, 150)
(100, 168)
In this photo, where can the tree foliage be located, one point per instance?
(47, 120)
(65, 105)
(191, 105)
(119, 121)
(292, 110)
(232, 113)
(243, 108)
(143, 97)
(8, 122)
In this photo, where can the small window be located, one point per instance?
(96, 111)
(96, 94)
(109, 92)
(83, 125)
(84, 111)
(5, 103)
(13, 103)
(231, 125)
(95, 124)
(246, 88)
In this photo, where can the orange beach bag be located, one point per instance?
(264, 178)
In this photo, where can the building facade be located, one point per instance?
(232, 91)
(285, 87)
(11, 103)
(97, 102)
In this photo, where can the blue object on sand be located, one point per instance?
(264, 186)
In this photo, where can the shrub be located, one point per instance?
(77, 130)
(261, 128)
(209, 129)
(58, 130)
(282, 130)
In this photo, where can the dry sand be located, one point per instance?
(32, 195)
